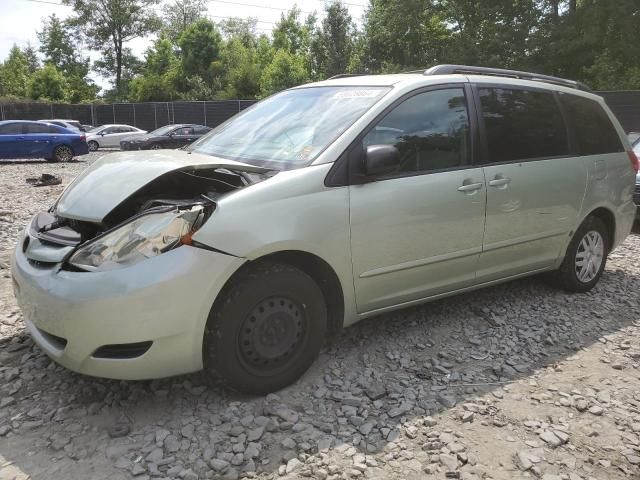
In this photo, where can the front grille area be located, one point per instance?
(122, 350)
(57, 342)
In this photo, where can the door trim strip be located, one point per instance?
(528, 238)
(421, 262)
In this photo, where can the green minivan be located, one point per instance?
(318, 207)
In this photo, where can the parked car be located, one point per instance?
(71, 124)
(316, 208)
(169, 136)
(110, 136)
(27, 139)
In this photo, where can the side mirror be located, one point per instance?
(381, 160)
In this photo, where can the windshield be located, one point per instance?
(289, 129)
(162, 130)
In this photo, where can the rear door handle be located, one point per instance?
(499, 181)
(470, 187)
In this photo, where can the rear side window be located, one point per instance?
(593, 131)
(430, 130)
(11, 129)
(40, 128)
(522, 125)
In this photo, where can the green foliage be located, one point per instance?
(200, 44)
(59, 49)
(178, 15)
(106, 25)
(193, 58)
(333, 44)
(285, 70)
(48, 84)
(14, 73)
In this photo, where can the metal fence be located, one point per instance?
(626, 106)
(147, 116)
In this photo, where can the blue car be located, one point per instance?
(25, 139)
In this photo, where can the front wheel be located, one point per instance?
(154, 146)
(265, 329)
(93, 146)
(586, 257)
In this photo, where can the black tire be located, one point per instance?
(244, 345)
(566, 277)
(155, 146)
(63, 153)
(93, 145)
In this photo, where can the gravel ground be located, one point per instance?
(510, 382)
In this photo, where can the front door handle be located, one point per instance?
(499, 181)
(470, 187)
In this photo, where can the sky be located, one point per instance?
(21, 19)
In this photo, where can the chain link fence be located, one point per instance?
(147, 116)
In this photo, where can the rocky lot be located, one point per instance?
(511, 382)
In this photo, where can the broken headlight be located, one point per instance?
(144, 237)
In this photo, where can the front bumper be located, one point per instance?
(164, 300)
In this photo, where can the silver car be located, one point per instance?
(318, 207)
(110, 136)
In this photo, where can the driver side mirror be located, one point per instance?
(381, 160)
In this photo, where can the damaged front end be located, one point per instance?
(159, 216)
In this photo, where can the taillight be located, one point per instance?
(83, 138)
(635, 162)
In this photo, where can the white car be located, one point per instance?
(109, 136)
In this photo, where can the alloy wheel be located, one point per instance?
(64, 153)
(589, 256)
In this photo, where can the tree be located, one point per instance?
(107, 25)
(332, 44)
(243, 29)
(285, 70)
(157, 82)
(291, 34)
(200, 45)
(177, 15)
(59, 49)
(403, 34)
(47, 84)
(14, 74)
(30, 54)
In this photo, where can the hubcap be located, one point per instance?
(272, 333)
(93, 146)
(589, 256)
(155, 146)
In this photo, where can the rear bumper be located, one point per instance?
(163, 300)
(80, 148)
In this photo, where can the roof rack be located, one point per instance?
(500, 72)
(344, 75)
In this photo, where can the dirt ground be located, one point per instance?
(515, 381)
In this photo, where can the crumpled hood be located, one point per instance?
(115, 177)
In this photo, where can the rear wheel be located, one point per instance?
(62, 153)
(586, 257)
(266, 328)
(93, 145)
(154, 146)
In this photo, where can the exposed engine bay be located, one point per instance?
(184, 189)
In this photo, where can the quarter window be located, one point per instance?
(430, 130)
(522, 125)
(592, 128)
